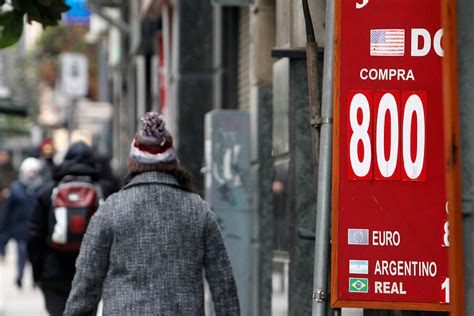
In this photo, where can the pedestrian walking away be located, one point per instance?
(147, 246)
(18, 207)
(58, 223)
(7, 176)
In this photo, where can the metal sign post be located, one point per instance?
(321, 134)
(390, 211)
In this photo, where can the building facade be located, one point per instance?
(186, 58)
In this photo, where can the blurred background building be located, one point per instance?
(185, 58)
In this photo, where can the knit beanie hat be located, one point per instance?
(152, 145)
(47, 148)
(30, 165)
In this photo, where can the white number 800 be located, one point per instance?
(361, 133)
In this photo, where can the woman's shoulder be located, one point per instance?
(197, 199)
(111, 200)
(199, 204)
(17, 189)
(16, 185)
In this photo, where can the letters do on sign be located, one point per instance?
(390, 210)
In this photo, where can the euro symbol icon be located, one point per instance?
(361, 5)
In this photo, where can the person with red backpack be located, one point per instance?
(58, 222)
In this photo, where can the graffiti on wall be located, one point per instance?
(227, 171)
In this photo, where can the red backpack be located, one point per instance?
(74, 201)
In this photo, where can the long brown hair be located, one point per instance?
(175, 169)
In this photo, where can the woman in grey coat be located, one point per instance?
(147, 246)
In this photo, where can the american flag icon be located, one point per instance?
(387, 42)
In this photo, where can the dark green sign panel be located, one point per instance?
(232, 2)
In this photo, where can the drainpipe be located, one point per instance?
(323, 215)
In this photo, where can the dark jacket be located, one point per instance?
(107, 180)
(7, 176)
(51, 267)
(18, 207)
(145, 251)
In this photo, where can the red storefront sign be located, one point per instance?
(162, 73)
(390, 229)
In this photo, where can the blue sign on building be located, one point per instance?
(78, 14)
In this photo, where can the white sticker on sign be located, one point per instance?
(358, 266)
(357, 236)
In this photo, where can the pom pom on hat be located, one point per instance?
(153, 124)
(152, 145)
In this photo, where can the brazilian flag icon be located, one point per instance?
(358, 285)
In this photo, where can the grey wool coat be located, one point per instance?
(144, 253)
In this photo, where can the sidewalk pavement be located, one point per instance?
(26, 301)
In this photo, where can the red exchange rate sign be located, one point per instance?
(390, 229)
